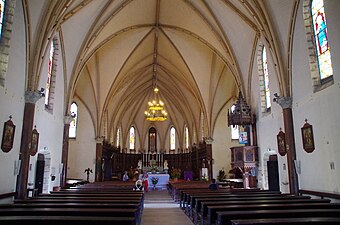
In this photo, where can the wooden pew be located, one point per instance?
(75, 212)
(289, 221)
(191, 204)
(98, 203)
(104, 199)
(184, 194)
(224, 218)
(198, 199)
(66, 220)
(213, 210)
(202, 213)
(72, 205)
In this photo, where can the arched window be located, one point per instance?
(7, 9)
(319, 52)
(235, 134)
(2, 14)
(73, 125)
(132, 138)
(321, 39)
(172, 138)
(186, 137)
(152, 140)
(118, 137)
(266, 79)
(262, 64)
(51, 75)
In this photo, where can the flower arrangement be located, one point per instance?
(175, 173)
(204, 177)
(154, 169)
(154, 180)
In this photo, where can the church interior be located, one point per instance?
(241, 91)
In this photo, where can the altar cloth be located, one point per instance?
(163, 179)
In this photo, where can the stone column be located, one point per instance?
(208, 142)
(99, 153)
(30, 99)
(64, 155)
(286, 104)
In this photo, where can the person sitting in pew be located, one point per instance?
(125, 176)
(138, 186)
(213, 185)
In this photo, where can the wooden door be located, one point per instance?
(273, 175)
(39, 174)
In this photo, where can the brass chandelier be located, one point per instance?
(155, 110)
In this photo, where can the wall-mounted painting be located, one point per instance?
(8, 136)
(307, 137)
(281, 143)
(34, 142)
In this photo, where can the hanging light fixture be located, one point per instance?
(155, 110)
(242, 114)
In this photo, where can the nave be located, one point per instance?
(183, 203)
(160, 208)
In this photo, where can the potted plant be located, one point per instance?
(175, 173)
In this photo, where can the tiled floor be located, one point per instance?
(160, 209)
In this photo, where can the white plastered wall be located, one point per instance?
(320, 108)
(12, 100)
(221, 153)
(82, 149)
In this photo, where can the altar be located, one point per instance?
(163, 179)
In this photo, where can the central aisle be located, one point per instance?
(159, 208)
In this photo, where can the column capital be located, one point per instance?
(284, 102)
(68, 119)
(99, 140)
(208, 140)
(32, 97)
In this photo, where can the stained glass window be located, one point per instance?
(2, 15)
(73, 124)
(321, 39)
(49, 75)
(186, 130)
(118, 137)
(234, 129)
(172, 138)
(132, 138)
(266, 78)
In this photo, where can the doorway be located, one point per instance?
(273, 173)
(39, 173)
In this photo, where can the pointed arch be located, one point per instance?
(74, 122)
(318, 46)
(262, 61)
(51, 75)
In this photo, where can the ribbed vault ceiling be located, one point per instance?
(201, 51)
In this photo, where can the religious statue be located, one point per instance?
(139, 164)
(152, 162)
(165, 166)
(88, 171)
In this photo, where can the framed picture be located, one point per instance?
(281, 143)
(307, 137)
(8, 136)
(243, 139)
(34, 142)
